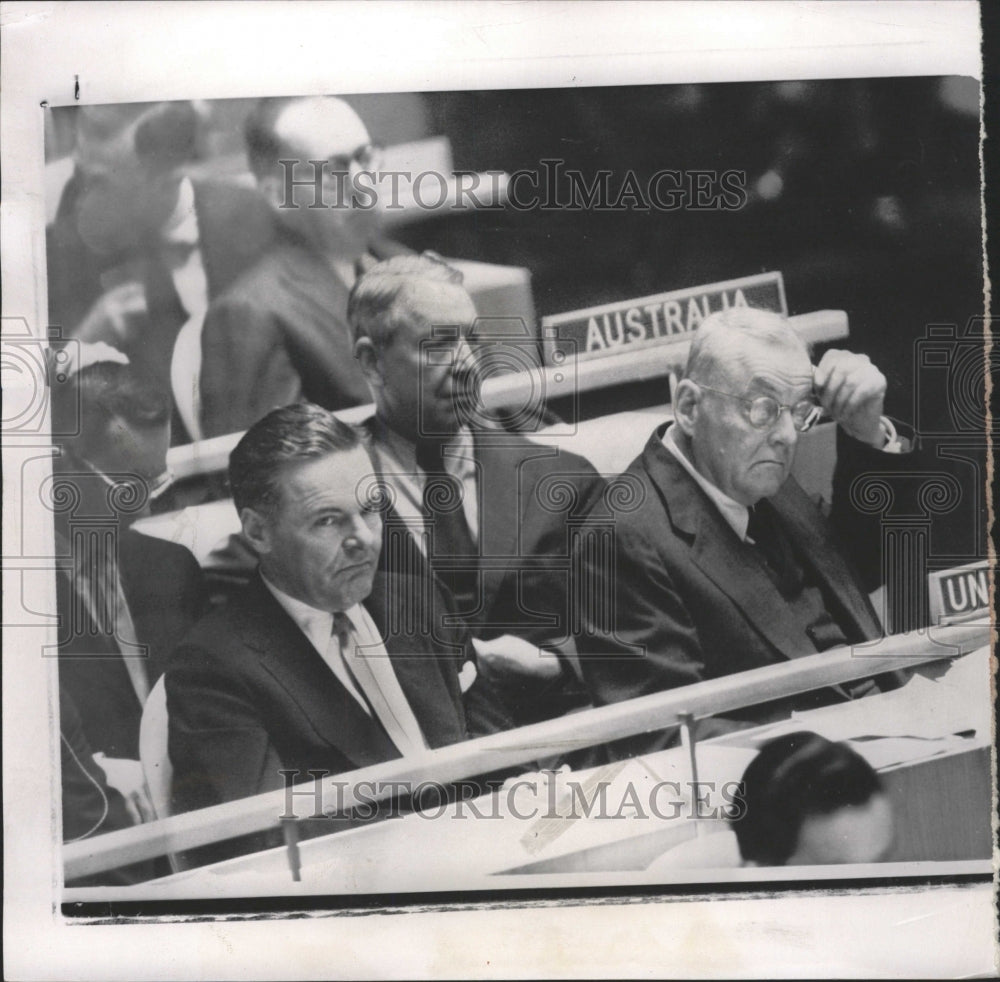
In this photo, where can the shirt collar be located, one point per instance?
(459, 461)
(181, 228)
(737, 516)
(312, 622)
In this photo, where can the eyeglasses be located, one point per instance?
(366, 158)
(763, 412)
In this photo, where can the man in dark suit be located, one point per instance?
(491, 510)
(124, 599)
(137, 249)
(280, 334)
(322, 662)
(722, 563)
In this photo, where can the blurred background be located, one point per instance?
(865, 193)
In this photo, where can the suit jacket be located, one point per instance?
(278, 336)
(164, 590)
(90, 806)
(248, 696)
(531, 495)
(676, 597)
(235, 225)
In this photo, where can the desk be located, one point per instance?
(500, 844)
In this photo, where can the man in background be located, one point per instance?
(811, 802)
(138, 249)
(124, 599)
(280, 334)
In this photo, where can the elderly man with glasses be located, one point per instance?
(722, 563)
(280, 334)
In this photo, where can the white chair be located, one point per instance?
(153, 754)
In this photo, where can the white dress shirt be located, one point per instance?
(317, 626)
(737, 516)
(364, 668)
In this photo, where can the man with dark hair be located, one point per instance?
(138, 249)
(725, 564)
(490, 510)
(280, 334)
(313, 665)
(124, 599)
(809, 802)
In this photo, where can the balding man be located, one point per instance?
(726, 564)
(280, 334)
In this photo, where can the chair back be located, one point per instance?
(153, 749)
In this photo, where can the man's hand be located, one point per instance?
(852, 391)
(127, 778)
(511, 655)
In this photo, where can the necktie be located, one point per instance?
(772, 546)
(443, 496)
(376, 681)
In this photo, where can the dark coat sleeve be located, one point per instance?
(166, 592)
(218, 744)
(90, 806)
(636, 635)
(246, 370)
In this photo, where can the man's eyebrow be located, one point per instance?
(776, 385)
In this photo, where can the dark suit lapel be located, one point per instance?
(327, 707)
(718, 553)
(312, 283)
(796, 511)
(235, 226)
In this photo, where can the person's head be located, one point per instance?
(325, 129)
(298, 478)
(810, 801)
(411, 317)
(116, 420)
(737, 356)
(129, 161)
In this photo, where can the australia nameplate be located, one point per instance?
(664, 318)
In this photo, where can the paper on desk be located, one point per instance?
(958, 701)
(629, 798)
(890, 751)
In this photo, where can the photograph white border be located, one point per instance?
(121, 52)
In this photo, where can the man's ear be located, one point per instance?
(371, 364)
(687, 400)
(256, 530)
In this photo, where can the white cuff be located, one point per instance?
(893, 444)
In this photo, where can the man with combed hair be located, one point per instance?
(811, 802)
(726, 564)
(323, 662)
(280, 334)
(491, 510)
